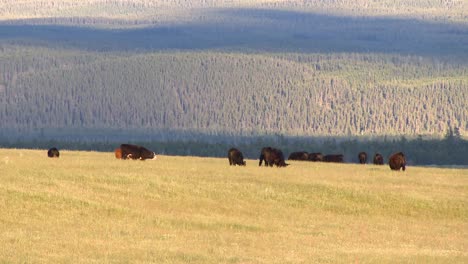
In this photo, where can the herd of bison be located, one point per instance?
(268, 155)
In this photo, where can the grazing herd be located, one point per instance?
(272, 156)
(268, 156)
(317, 156)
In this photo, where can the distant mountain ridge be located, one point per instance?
(161, 11)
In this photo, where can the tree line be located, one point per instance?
(450, 150)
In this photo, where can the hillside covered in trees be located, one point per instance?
(164, 70)
(232, 93)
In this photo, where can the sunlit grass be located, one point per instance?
(90, 207)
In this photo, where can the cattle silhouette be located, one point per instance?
(272, 156)
(53, 153)
(397, 161)
(362, 156)
(136, 152)
(235, 157)
(378, 159)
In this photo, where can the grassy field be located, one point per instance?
(89, 207)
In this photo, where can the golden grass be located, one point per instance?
(88, 207)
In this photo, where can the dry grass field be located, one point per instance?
(88, 207)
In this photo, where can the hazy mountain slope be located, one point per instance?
(231, 93)
(161, 11)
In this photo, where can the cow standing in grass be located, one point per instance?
(362, 156)
(378, 159)
(235, 157)
(272, 156)
(53, 153)
(397, 161)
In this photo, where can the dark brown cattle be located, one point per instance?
(300, 155)
(136, 152)
(397, 161)
(263, 153)
(333, 158)
(272, 156)
(362, 156)
(118, 153)
(276, 158)
(316, 156)
(235, 157)
(53, 153)
(378, 159)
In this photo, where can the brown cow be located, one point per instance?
(378, 159)
(362, 156)
(272, 156)
(118, 153)
(264, 152)
(235, 157)
(397, 161)
(136, 152)
(53, 153)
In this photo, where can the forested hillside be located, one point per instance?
(233, 68)
(231, 93)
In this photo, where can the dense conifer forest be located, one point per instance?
(232, 93)
(234, 72)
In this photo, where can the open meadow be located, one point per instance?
(88, 207)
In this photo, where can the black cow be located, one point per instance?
(378, 159)
(300, 155)
(397, 161)
(136, 152)
(362, 156)
(316, 156)
(235, 157)
(272, 156)
(333, 158)
(53, 153)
